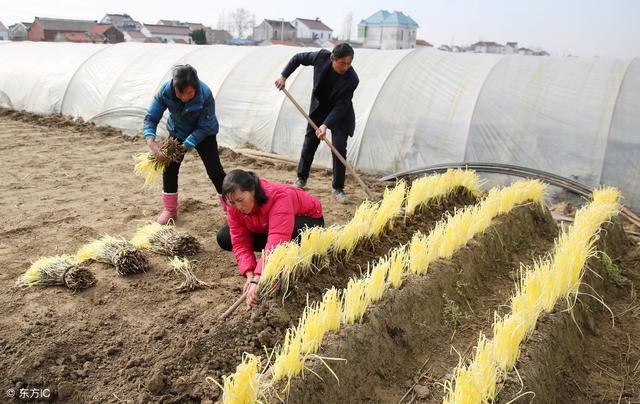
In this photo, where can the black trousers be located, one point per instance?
(260, 239)
(208, 151)
(311, 142)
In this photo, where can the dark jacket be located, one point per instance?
(190, 122)
(340, 111)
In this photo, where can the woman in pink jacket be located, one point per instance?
(260, 215)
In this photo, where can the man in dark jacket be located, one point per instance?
(192, 120)
(334, 81)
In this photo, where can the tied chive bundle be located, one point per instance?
(61, 270)
(149, 168)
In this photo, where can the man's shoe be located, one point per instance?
(340, 196)
(300, 183)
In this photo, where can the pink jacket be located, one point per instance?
(275, 218)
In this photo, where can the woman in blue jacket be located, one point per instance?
(193, 122)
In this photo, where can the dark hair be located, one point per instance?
(341, 50)
(185, 76)
(245, 181)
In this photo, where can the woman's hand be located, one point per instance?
(251, 289)
(157, 150)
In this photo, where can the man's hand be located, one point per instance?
(321, 132)
(280, 83)
(157, 150)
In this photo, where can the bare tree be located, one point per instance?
(347, 23)
(241, 22)
(222, 21)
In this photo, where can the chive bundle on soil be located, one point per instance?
(165, 239)
(61, 270)
(117, 251)
(184, 267)
(149, 168)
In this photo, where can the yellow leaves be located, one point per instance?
(147, 167)
(389, 208)
(289, 361)
(375, 284)
(435, 187)
(354, 301)
(278, 265)
(398, 262)
(331, 309)
(144, 234)
(539, 289)
(243, 386)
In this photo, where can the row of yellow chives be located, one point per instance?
(289, 260)
(539, 289)
(335, 307)
(363, 291)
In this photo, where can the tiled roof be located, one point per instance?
(383, 17)
(64, 25)
(166, 30)
(314, 24)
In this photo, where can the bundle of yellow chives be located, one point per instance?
(398, 262)
(434, 187)
(289, 360)
(359, 227)
(243, 386)
(354, 300)
(389, 209)
(376, 283)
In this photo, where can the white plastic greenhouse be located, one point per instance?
(575, 117)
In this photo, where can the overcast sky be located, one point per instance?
(606, 28)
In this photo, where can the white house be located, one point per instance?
(167, 33)
(312, 29)
(385, 30)
(19, 31)
(4, 32)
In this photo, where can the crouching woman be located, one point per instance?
(262, 214)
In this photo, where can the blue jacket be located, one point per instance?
(190, 122)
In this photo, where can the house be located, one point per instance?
(525, 51)
(193, 26)
(4, 32)
(311, 29)
(81, 37)
(385, 30)
(167, 33)
(111, 33)
(123, 22)
(171, 23)
(133, 35)
(217, 36)
(511, 48)
(46, 29)
(487, 47)
(423, 43)
(305, 42)
(274, 29)
(19, 31)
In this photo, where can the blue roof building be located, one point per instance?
(385, 30)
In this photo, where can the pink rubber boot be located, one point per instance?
(170, 211)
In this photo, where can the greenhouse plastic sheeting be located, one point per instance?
(574, 117)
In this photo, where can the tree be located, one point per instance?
(241, 22)
(199, 36)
